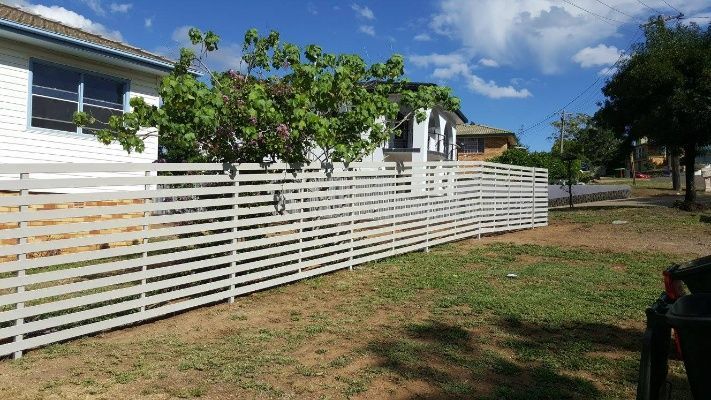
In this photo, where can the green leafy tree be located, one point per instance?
(594, 144)
(284, 103)
(663, 92)
(557, 168)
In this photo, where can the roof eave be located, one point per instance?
(162, 66)
(461, 116)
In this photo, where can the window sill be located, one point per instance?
(53, 132)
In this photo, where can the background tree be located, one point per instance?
(283, 103)
(663, 92)
(557, 169)
(596, 146)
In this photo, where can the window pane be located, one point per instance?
(471, 145)
(56, 93)
(53, 114)
(103, 92)
(55, 125)
(101, 114)
(55, 77)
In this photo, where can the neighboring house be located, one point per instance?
(476, 142)
(648, 156)
(48, 71)
(430, 140)
(704, 157)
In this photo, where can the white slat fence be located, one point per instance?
(124, 243)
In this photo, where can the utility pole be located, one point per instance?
(562, 129)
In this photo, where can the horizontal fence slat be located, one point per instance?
(113, 255)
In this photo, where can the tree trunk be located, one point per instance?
(689, 161)
(675, 169)
(570, 183)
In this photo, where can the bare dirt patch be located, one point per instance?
(606, 236)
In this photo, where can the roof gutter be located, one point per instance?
(163, 66)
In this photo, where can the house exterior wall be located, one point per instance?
(493, 147)
(420, 135)
(20, 143)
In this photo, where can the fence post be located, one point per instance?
(481, 200)
(235, 217)
(21, 257)
(352, 223)
(508, 198)
(471, 217)
(428, 211)
(392, 209)
(301, 220)
(144, 241)
(533, 199)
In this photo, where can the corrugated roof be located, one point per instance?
(22, 17)
(478, 129)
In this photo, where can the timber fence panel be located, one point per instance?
(90, 247)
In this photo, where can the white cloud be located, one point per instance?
(363, 12)
(597, 56)
(148, 22)
(450, 71)
(544, 33)
(120, 8)
(700, 20)
(488, 62)
(423, 37)
(95, 6)
(436, 59)
(453, 65)
(494, 91)
(68, 17)
(367, 29)
(311, 8)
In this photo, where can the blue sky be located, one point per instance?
(512, 62)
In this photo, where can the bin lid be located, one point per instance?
(690, 268)
(691, 310)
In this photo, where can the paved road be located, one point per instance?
(651, 201)
(557, 192)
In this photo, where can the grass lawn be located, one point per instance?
(447, 324)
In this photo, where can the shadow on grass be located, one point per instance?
(458, 363)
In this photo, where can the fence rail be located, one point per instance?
(90, 247)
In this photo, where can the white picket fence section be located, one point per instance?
(108, 255)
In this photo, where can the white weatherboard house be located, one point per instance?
(48, 71)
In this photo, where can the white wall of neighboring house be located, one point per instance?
(20, 143)
(422, 149)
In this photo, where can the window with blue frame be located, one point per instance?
(58, 92)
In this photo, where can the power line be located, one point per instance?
(574, 99)
(617, 9)
(535, 127)
(674, 8)
(607, 19)
(651, 8)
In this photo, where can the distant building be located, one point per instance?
(704, 157)
(648, 156)
(477, 142)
